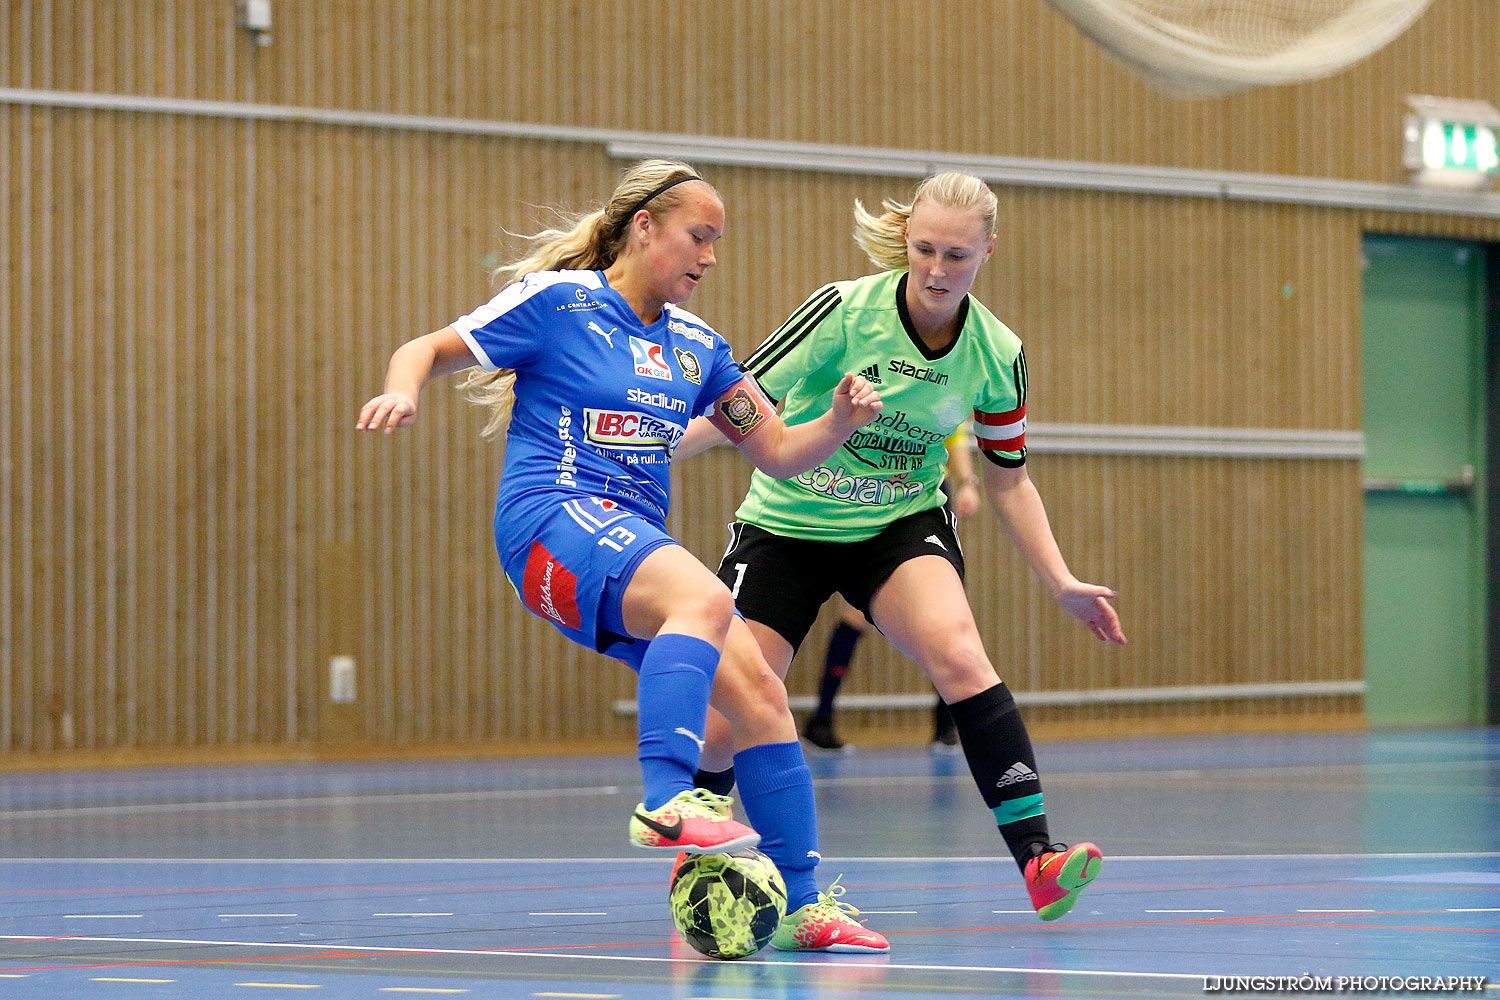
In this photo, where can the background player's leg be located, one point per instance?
(923, 610)
(846, 635)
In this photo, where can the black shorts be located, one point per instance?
(782, 582)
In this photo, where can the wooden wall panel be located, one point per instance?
(194, 308)
(990, 77)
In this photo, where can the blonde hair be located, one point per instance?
(590, 241)
(883, 237)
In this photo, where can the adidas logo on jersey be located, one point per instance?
(872, 374)
(1018, 773)
(935, 540)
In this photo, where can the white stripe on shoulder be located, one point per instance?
(681, 315)
(511, 296)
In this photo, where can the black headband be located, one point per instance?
(659, 189)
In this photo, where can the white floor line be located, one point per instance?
(496, 953)
(659, 858)
(299, 802)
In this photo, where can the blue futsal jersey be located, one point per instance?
(601, 400)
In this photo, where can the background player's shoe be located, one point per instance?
(1054, 877)
(819, 732)
(696, 821)
(827, 925)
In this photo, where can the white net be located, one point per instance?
(1205, 48)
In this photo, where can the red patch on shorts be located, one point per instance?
(549, 589)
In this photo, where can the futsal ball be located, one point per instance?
(728, 905)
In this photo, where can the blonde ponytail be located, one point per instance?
(591, 241)
(883, 237)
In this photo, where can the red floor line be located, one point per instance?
(577, 947)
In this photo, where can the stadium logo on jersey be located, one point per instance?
(649, 360)
(691, 333)
(631, 431)
(688, 362)
(872, 374)
(549, 589)
(608, 337)
(911, 371)
(660, 400)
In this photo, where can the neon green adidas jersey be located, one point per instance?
(893, 466)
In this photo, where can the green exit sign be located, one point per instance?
(1452, 143)
(1457, 146)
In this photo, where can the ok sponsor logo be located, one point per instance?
(549, 589)
(631, 431)
(650, 362)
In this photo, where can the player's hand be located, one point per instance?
(1090, 605)
(389, 410)
(966, 501)
(855, 402)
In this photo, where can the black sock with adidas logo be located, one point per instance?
(998, 749)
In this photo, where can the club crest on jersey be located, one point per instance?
(649, 360)
(688, 362)
(631, 431)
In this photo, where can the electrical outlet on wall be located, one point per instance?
(341, 679)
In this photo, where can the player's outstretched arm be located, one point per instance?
(749, 421)
(1019, 507)
(701, 435)
(442, 352)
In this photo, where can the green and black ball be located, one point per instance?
(728, 905)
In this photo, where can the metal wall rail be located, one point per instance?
(1103, 696)
(826, 157)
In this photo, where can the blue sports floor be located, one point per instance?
(1326, 855)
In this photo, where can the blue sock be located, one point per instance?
(776, 790)
(677, 674)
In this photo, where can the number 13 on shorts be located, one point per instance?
(617, 537)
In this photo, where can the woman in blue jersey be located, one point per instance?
(868, 523)
(599, 370)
